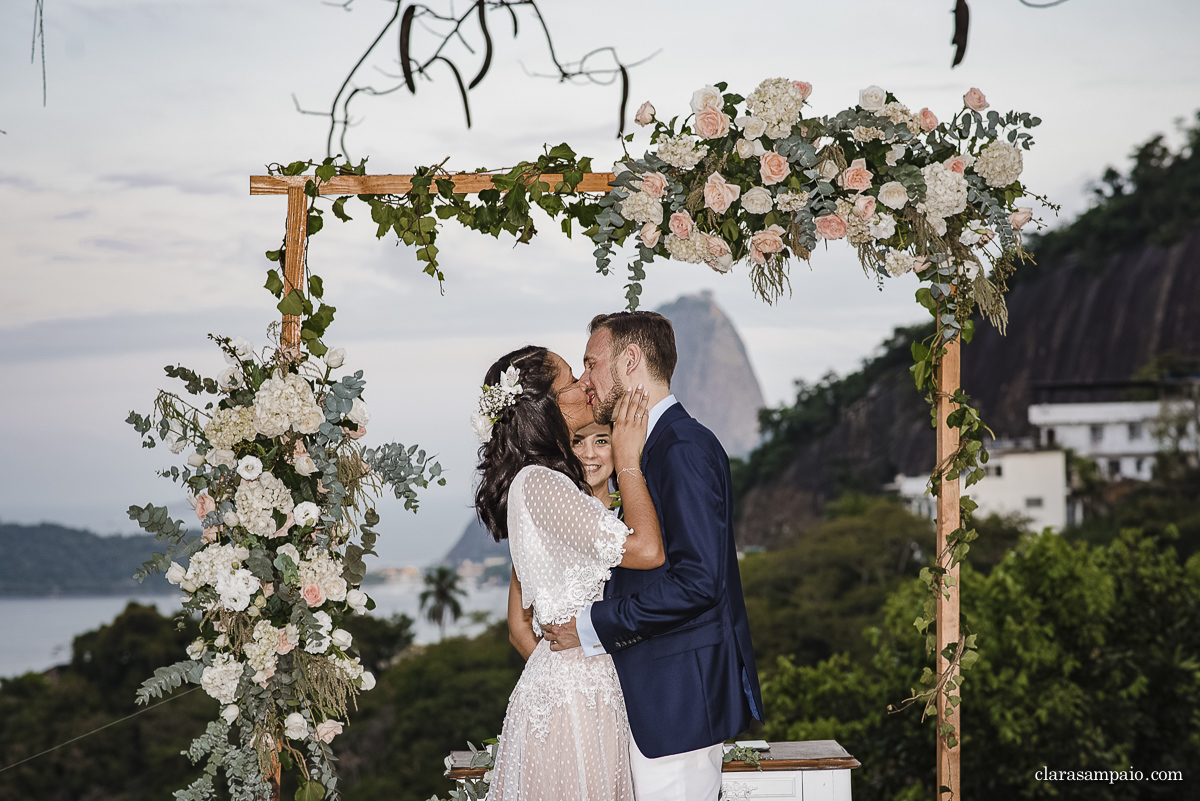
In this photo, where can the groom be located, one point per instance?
(677, 634)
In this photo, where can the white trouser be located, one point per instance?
(690, 776)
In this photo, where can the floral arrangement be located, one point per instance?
(280, 484)
(756, 180)
(494, 400)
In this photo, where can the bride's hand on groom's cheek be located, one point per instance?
(562, 638)
(630, 418)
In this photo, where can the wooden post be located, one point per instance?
(948, 378)
(295, 244)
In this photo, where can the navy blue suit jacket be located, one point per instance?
(678, 634)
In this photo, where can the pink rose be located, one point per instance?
(204, 505)
(268, 589)
(773, 168)
(857, 177)
(864, 206)
(299, 450)
(719, 193)
(928, 119)
(956, 164)
(720, 258)
(920, 263)
(352, 433)
(650, 234)
(975, 99)
(285, 645)
(805, 89)
(987, 235)
(831, 226)
(313, 594)
(328, 729)
(1020, 217)
(769, 240)
(711, 123)
(209, 535)
(645, 114)
(286, 527)
(682, 225)
(654, 184)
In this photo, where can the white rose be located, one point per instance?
(196, 649)
(828, 170)
(882, 227)
(872, 98)
(231, 518)
(335, 589)
(187, 585)
(222, 456)
(306, 513)
(243, 347)
(752, 127)
(893, 195)
(357, 600)
(324, 621)
(290, 551)
(230, 713)
(335, 358)
(341, 638)
(196, 459)
(305, 466)
(748, 148)
(358, 413)
(894, 155)
(368, 680)
(757, 200)
(230, 378)
(707, 97)
(250, 468)
(175, 573)
(174, 439)
(295, 726)
(645, 114)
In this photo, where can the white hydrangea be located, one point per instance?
(899, 113)
(256, 500)
(260, 652)
(321, 569)
(882, 227)
(350, 669)
(791, 201)
(777, 102)
(229, 427)
(681, 151)
(693, 250)
(898, 262)
(864, 134)
(856, 226)
(210, 564)
(220, 679)
(946, 195)
(236, 588)
(642, 208)
(999, 164)
(286, 402)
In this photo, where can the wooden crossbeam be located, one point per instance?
(400, 184)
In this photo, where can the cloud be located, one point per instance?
(77, 214)
(154, 181)
(108, 243)
(22, 182)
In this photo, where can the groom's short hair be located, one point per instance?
(650, 331)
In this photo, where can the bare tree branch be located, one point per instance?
(39, 37)
(447, 30)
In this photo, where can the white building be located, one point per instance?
(1118, 436)
(1031, 483)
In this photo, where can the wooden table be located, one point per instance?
(812, 770)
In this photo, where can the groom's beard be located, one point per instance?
(603, 411)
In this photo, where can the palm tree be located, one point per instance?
(441, 589)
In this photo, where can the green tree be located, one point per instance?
(441, 595)
(1089, 659)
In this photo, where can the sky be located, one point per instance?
(127, 232)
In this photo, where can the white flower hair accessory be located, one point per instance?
(495, 399)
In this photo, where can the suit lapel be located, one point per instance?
(676, 412)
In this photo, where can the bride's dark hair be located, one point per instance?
(530, 431)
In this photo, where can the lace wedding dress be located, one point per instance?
(566, 734)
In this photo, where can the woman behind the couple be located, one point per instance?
(566, 734)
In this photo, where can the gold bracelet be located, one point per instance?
(631, 470)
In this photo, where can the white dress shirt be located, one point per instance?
(583, 621)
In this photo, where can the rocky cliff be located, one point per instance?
(1078, 321)
(714, 378)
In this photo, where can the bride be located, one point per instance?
(565, 734)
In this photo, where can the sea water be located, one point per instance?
(36, 633)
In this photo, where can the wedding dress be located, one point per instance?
(565, 734)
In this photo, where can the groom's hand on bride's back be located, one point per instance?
(562, 637)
